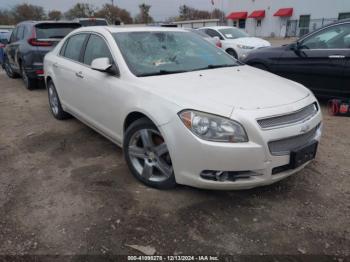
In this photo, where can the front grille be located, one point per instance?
(292, 118)
(286, 145)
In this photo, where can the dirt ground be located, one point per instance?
(65, 189)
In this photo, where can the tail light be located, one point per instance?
(219, 44)
(35, 42)
(39, 72)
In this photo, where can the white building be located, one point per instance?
(282, 18)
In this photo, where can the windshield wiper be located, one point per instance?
(218, 66)
(163, 72)
(214, 66)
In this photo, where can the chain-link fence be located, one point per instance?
(297, 28)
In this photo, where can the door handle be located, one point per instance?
(336, 56)
(79, 74)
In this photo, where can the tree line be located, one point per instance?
(111, 13)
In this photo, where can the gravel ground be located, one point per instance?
(64, 189)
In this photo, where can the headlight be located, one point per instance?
(245, 47)
(213, 128)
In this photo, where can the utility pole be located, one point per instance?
(112, 2)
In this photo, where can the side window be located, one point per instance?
(13, 36)
(74, 46)
(20, 31)
(63, 48)
(25, 31)
(213, 33)
(336, 37)
(96, 48)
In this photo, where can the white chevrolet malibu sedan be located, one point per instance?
(183, 110)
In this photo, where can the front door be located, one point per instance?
(101, 89)
(318, 61)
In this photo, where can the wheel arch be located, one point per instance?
(132, 117)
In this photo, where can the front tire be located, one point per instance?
(55, 103)
(8, 69)
(147, 155)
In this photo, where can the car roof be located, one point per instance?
(47, 22)
(119, 29)
(89, 18)
(217, 27)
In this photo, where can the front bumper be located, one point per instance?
(192, 155)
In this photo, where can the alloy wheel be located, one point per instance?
(149, 155)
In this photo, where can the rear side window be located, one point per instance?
(20, 32)
(74, 46)
(96, 48)
(54, 30)
(13, 35)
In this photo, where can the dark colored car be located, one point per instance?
(30, 41)
(4, 38)
(91, 21)
(319, 60)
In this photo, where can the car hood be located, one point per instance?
(250, 41)
(220, 90)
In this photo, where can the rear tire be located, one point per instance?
(232, 53)
(29, 83)
(55, 103)
(8, 69)
(147, 155)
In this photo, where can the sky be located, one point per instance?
(160, 10)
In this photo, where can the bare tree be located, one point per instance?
(80, 10)
(54, 15)
(6, 17)
(113, 13)
(144, 17)
(24, 12)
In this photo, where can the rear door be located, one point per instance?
(319, 60)
(68, 72)
(11, 48)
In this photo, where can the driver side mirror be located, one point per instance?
(104, 65)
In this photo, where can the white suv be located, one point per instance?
(234, 41)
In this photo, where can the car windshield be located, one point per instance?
(202, 34)
(54, 30)
(233, 33)
(168, 52)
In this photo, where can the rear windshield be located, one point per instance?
(93, 22)
(57, 30)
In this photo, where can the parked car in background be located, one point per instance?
(4, 38)
(91, 21)
(234, 41)
(214, 40)
(183, 110)
(30, 41)
(319, 60)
